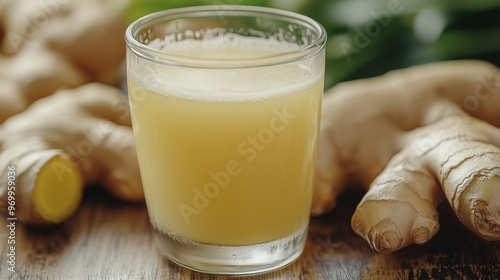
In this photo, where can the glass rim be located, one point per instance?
(146, 52)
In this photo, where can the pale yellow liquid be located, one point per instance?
(225, 166)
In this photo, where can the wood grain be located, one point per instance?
(110, 239)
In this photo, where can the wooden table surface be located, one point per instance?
(111, 239)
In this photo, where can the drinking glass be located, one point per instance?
(225, 104)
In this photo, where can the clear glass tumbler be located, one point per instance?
(226, 105)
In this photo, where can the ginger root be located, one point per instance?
(51, 45)
(412, 138)
(71, 134)
(62, 142)
(87, 33)
(34, 73)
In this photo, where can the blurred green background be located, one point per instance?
(370, 37)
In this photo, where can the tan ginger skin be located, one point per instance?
(61, 143)
(413, 137)
(35, 72)
(51, 45)
(88, 33)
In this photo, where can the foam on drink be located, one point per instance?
(222, 51)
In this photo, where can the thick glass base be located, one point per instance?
(233, 260)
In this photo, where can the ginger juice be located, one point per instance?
(227, 154)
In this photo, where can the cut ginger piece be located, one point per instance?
(58, 189)
(62, 142)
